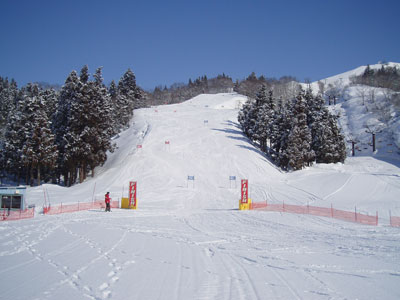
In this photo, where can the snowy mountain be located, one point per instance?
(187, 240)
(343, 79)
(361, 106)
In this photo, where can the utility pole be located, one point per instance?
(373, 131)
(353, 143)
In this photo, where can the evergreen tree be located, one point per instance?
(100, 128)
(50, 99)
(14, 141)
(265, 117)
(113, 94)
(39, 150)
(84, 75)
(8, 99)
(128, 88)
(283, 125)
(246, 114)
(129, 97)
(62, 124)
(328, 143)
(298, 152)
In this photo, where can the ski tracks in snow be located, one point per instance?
(75, 278)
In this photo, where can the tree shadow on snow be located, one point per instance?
(265, 158)
(228, 130)
(231, 123)
(238, 138)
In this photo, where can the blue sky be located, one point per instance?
(171, 41)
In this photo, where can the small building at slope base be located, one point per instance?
(12, 198)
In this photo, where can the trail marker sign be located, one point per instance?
(245, 191)
(167, 145)
(245, 201)
(132, 194)
(232, 178)
(190, 178)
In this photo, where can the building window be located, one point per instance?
(8, 201)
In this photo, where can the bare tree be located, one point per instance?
(371, 95)
(321, 88)
(361, 91)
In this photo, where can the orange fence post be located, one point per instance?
(355, 213)
(350, 216)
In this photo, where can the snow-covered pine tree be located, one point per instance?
(259, 121)
(62, 128)
(245, 116)
(14, 140)
(100, 138)
(8, 94)
(81, 136)
(329, 143)
(298, 152)
(283, 125)
(265, 117)
(115, 110)
(130, 91)
(39, 151)
(84, 74)
(50, 98)
(90, 125)
(340, 152)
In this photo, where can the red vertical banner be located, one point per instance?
(132, 193)
(245, 191)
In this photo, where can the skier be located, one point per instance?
(107, 200)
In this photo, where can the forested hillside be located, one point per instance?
(61, 136)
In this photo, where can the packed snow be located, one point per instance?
(188, 240)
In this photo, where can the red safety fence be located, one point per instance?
(395, 221)
(11, 215)
(74, 207)
(320, 211)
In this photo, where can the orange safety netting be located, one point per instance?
(65, 208)
(395, 221)
(10, 215)
(319, 211)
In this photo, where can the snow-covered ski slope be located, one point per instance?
(360, 106)
(187, 240)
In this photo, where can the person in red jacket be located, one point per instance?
(107, 200)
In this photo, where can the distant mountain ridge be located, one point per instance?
(363, 108)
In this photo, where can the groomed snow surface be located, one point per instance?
(188, 240)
